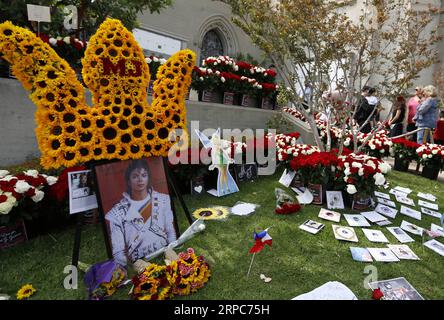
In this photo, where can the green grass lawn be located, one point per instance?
(298, 261)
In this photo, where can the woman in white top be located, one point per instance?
(142, 222)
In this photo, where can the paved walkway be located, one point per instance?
(412, 168)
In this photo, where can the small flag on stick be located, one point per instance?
(261, 239)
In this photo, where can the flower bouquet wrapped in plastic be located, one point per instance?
(103, 279)
(285, 203)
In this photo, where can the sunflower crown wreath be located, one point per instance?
(182, 276)
(121, 124)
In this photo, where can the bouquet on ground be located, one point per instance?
(361, 173)
(431, 155)
(185, 274)
(404, 149)
(20, 193)
(103, 279)
(285, 203)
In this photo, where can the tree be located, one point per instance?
(316, 40)
(90, 13)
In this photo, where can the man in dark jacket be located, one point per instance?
(364, 110)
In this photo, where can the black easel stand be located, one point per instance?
(173, 184)
(76, 249)
(79, 226)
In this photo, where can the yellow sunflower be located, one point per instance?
(25, 292)
(214, 213)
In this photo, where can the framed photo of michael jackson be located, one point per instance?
(135, 201)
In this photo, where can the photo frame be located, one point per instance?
(82, 195)
(334, 200)
(134, 201)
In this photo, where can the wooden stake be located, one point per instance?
(249, 269)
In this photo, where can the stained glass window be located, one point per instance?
(211, 45)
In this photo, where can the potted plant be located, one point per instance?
(405, 152)
(317, 171)
(432, 158)
(207, 84)
(359, 175)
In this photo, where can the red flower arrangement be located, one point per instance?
(316, 168)
(405, 149)
(288, 208)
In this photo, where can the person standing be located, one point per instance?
(426, 114)
(374, 103)
(306, 94)
(438, 136)
(397, 119)
(412, 105)
(363, 111)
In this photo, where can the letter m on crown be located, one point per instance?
(120, 68)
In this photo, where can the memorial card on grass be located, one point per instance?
(329, 215)
(373, 216)
(386, 202)
(428, 205)
(382, 195)
(311, 226)
(432, 213)
(412, 228)
(386, 211)
(361, 254)
(400, 234)
(415, 214)
(375, 235)
(356, 220)
(427, 196)
(403, 251)
(383, 254)
(345, 233)
(436, 246)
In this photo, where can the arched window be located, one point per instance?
(212, 45)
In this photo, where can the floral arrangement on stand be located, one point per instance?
(20, 193)
(182, 276)
(121, 124)
(225, 74)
